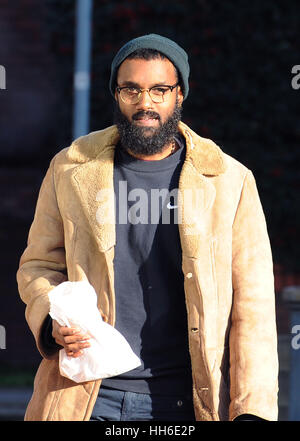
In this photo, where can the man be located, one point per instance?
(179, 257)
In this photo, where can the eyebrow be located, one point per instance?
(133, 84)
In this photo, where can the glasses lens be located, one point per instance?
(157, 94)
(129, 95)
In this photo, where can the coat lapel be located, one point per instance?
(196, 192)
(92, 182)
(196, 198)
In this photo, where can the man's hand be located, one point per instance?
(72, 339)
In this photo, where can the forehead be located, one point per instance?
(147, 72)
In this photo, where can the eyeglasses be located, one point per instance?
(132, 95)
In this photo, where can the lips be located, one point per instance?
(146, 119)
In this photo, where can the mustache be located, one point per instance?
(144, 113)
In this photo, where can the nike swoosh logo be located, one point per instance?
(171, 207)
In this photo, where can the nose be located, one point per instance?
(145, 102)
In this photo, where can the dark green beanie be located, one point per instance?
(162, 44)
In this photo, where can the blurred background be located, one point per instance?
(241, 96)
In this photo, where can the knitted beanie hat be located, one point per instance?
(162, 44)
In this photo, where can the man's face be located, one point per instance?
(146, 127)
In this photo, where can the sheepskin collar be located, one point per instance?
(204, 154)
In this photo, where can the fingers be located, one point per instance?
(74, 344)
(72, 339)
(72, 334)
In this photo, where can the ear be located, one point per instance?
(180, 94)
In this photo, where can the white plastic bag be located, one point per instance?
(74, 304)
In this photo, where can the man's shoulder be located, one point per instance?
(208, 156)
(89, 146)
(234, 163)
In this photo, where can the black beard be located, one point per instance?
(146, 140)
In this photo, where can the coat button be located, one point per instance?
(179, 403)
(189, 275)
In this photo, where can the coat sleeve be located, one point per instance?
(43, 263)
(253, 336)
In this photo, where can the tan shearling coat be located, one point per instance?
(227, 264)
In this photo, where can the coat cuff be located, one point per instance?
(36, 313)
(47, 341)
